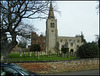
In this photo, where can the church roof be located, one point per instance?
(51, 13)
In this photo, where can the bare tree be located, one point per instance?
(12, 13)
(24, 30)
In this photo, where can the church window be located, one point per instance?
(65, 40)
(71, 44)
(66, 44)
(52, 25)
(70, 40)
(61, 40)
(62, 46)
(78, 41)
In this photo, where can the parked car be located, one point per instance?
(11, 69)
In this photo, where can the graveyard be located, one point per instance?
(29, 56)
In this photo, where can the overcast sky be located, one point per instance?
(76, 16)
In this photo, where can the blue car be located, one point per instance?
(11, 69)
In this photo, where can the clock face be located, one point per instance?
(52, 31)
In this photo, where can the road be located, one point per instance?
(90, 72)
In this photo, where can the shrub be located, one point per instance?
(88, 50)
(35, 47)
(65, 50)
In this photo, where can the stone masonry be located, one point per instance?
(62, 66)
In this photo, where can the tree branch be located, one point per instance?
(36, 17)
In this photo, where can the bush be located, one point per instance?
(88, 50)
(35, 47)
(65, 50)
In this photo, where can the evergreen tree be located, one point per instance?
(82, 37)
(88, 50)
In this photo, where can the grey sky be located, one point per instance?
(76, 16)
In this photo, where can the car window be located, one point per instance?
(8, 69)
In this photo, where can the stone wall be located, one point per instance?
(61, 66)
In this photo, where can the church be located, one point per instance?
(53, 42)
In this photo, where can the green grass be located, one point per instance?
(16, 57)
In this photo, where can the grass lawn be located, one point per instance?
(16, 57)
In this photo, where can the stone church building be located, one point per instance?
(52, 41)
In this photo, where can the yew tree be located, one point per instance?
(88, 50)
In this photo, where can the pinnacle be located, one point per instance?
(51, 13)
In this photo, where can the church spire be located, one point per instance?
(51, 13)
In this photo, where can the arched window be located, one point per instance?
(61, 40)
(66, 43)
(78, 41)
(65, 40)
(71, 44)
(70, 40)
(52, 25)
(62, 46)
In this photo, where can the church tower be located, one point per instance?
(51, 31)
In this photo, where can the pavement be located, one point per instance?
(89, 72)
